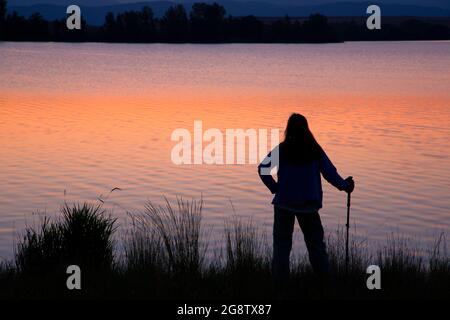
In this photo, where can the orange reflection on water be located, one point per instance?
(109, 125)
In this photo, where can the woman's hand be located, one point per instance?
(351, 184)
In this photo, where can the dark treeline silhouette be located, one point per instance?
(130, 26)
(2, 18)
(209, 23)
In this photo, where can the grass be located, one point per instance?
(245, 246)
(165, 257)
(83, 236)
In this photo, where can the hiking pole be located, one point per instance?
(348, 227)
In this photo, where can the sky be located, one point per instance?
(437, 3)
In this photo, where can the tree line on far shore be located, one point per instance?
(208, 23)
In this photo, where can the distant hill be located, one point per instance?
(95, 15)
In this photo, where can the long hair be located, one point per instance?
(299, 145)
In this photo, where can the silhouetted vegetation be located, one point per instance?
(209, 23)
(165, 257)
(130, 26)
(2, 18)
(81, 237)
(317, 29)
(174, 25)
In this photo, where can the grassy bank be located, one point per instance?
(165, 257)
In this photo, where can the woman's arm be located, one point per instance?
(264, 169)
(330, 173)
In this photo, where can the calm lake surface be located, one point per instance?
(77, 120)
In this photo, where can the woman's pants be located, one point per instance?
(312, 229)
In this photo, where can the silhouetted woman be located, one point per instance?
(298, 193)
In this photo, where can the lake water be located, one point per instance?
(77, 120)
